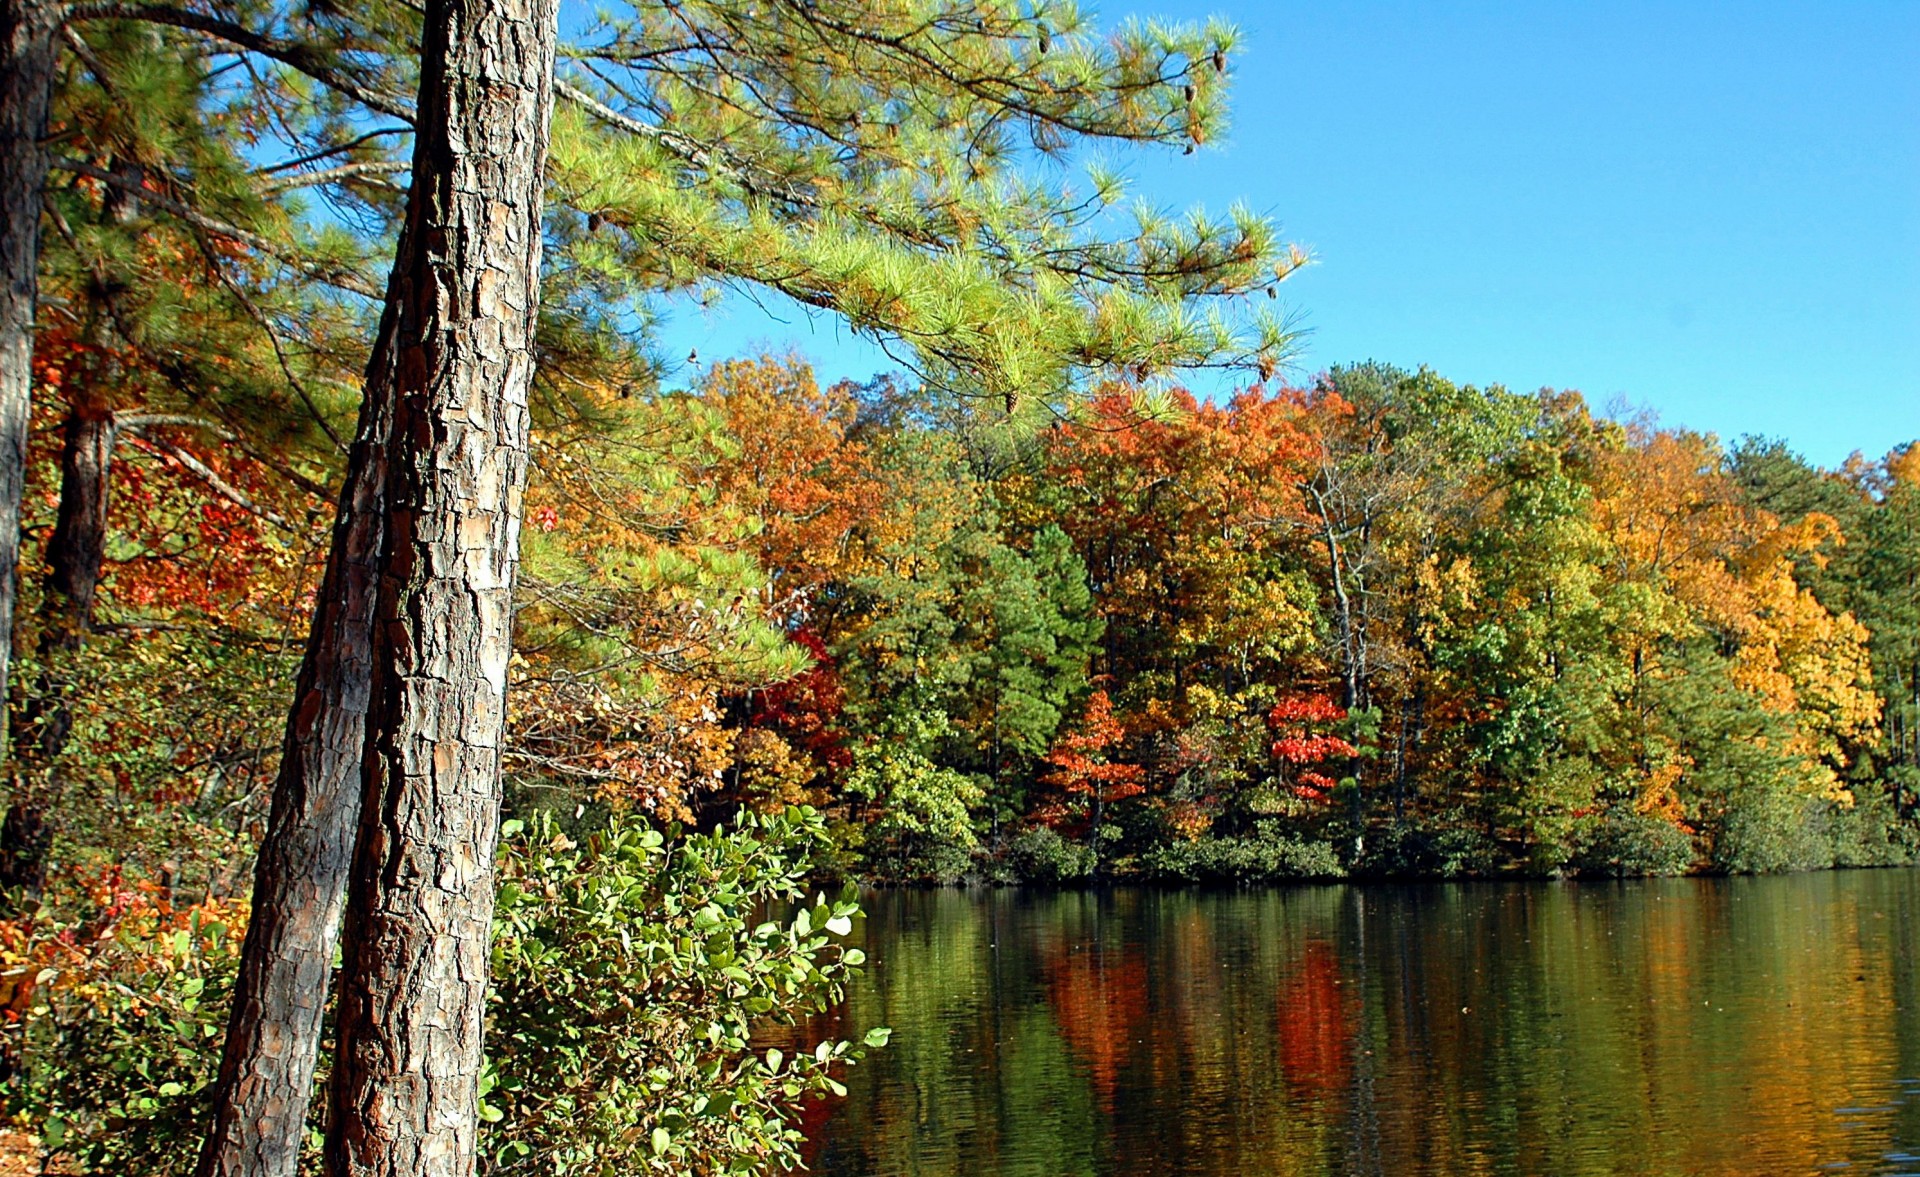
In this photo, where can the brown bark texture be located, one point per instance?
(28, 57)
(75, 553)
(300, 877)
(405, 1085)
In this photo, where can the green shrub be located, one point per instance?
(920, 825)
(1452, 847)
(114, 1042)
(1624, 843)
(1041, 855)
(1868, 832)
(1269, 854)
(630, 974)
(1777, 832)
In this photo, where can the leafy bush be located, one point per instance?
(1269, 854)
(630, 974)
(1625, 843)
(112, 1033)
(921, 828)
(1771, 831)
(1869, 832)
(629, 977)
(1041, 855)
(1453, 847)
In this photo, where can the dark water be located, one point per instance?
(1746, 1026)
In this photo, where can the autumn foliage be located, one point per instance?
(1333, 624)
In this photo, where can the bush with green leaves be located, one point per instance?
(1869, 832)
(1267, 855)
(1041, 855)
(632, 973)
(112, 1042)
(1621, 842)
(920, 826)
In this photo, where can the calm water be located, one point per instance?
(1747, 1026)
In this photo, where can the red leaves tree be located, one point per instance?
(1080, 765)
(1301, 741)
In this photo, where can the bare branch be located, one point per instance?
(135, 422)
(339, 175)
(217, 484)
(327, 152)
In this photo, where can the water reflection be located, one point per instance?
(1695, 1027)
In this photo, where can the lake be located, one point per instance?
(1686, 1026)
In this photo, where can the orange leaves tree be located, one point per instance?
(1082, 766)
(644, 604)
(1302, 744)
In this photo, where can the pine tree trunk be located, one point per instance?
(405, 1096)
(300, 878)
(75, 553)
(28, 57)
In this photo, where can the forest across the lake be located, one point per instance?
(1379, 624)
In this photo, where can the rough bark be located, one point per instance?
(28, 57)
(405, 1095)
(75, 553)
(300, 877)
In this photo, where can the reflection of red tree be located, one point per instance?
(1315, 1025)
(813, 1114)
(1099, 1000)
(812, 1122)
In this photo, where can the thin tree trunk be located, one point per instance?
(75, 553)
(1352, 657)
(300, 877)
(29, 55)
(405, 1095)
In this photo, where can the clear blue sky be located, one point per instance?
(1712, 210)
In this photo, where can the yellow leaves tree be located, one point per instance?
(1692, 559)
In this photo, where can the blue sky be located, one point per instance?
(1711, 210)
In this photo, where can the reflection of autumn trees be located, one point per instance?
(1315, 1025)
(1717, 1026)
(1099, 996)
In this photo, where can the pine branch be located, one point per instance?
(303, 58)
(265, 323)
(681, 146)
(331, 275)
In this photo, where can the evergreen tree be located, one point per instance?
(738, 143)
(201, 181)
(1031, 664)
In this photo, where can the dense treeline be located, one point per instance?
(1381, 623)
(1378, 624)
